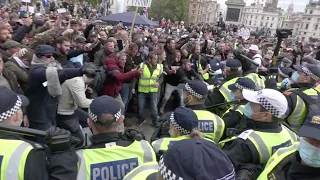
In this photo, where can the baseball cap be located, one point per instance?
(80, 39)
(44, 50)
(93, 33)
(311, 126)
(195, 158)
(104, 105)
(312, 70)
(267, 57)
(11, 44)
(254, 47)
(10, 102)
(196, 88)
(233, 64)
(285, 72)
(243, 83)
(272, 100)
(215, 65)
(183, 119)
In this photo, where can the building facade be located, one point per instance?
(203, 11)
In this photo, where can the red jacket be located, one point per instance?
(113, 82)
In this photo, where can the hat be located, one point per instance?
(74, 21)
(243, 83)
(93, 33)
(233, 64)
(11, 44)
(267, 57)
(254, 47)
(10, 102)
(272, 100)
(104, 105)
(196, 88)
(285, 72)
(195, 158)
(44, 50)
(183, 119)
(311, 126)
(39, 22)
(80, 39)
(312, 70)
(215, 65)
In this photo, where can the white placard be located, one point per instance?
(27, 1)
(30, 9)
(139, 3)
(61, 10)
(23, 8)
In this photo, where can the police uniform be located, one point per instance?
(297, 105)
(286, 163)
(262, 139)
(211, 125)
(215, 73)
(184, 120)
(111, 156)
(222, 93)
(144, 171)
(233, 116)
(21, 159)
(257, 79)
(198, 64)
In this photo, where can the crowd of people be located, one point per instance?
(221, 106)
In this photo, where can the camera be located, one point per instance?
(283, 33)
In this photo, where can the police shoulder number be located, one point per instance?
(244, 135)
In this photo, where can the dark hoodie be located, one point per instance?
(115, 76)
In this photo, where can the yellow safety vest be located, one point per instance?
(13, 158)
(225, 91)
(205, 75)
(275, 159)
(147, 81)
(143, 171)
(239, 108)
(164, 143)
(299, 113)
(266, 143)
(258, 80)
(211, 125)
(113, 162)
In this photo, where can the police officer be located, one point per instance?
(194, 95)
(304, 79)
(183, 125)
(301, 160)
(257, 79)
(111, 155)
(264, 135)
(279, 82)
(21, 159)
(215, 72)
(232, 117)
(232, 72)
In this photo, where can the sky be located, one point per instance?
(299, 5)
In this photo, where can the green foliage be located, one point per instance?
(169, 9)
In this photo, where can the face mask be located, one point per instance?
(233, 96)
(286, 82)
(248, 110)
(309, 154)
(295, 76)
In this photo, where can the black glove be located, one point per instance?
(58, 139)
(91, 73)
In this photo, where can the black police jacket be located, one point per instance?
(291, 168)
(42, 166)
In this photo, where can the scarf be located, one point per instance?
(53, 82)
(20, 63)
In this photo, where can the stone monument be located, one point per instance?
(234, 11)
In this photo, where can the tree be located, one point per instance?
(169, 9)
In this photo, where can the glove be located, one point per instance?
(286, 83)
(91, 73)
(58, 139)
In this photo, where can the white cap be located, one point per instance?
(254, 47)
(272, 100)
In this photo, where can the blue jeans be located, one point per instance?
(153, 100)
(126, 95)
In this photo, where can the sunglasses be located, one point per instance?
(48, 56)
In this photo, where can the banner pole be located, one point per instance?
(134, 20)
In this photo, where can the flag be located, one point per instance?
(145, 11)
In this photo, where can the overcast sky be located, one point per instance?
(299, 5)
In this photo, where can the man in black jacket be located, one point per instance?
(45, 76)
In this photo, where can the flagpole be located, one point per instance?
(134, 20)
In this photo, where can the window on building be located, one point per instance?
(256, 17)
(305, 33)
(252, 10)
(194, 5)
(307, 26)
(309, 19)
(257, 10)
(267, 18)
(262, 18)
(286, 25)
(251, 16)
(300, 33)
(311, 11)
(249, 22)
(261, 24)
(303, 38)
(271, 25)
(246, 22)
(314, 34)
(316, 27)
(272, 18)
(267, 24)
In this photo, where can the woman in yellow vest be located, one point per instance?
(264, 134)
(233, 116)
(301, 160)
(183, 125)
